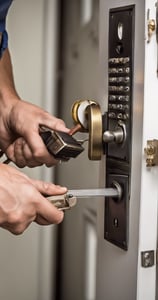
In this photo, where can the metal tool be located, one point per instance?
(60, 144)
(115, 192)
(91, 193)
(63, 202)
(69, 200)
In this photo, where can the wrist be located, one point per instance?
(7, 101)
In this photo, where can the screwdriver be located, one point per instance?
(69, 200)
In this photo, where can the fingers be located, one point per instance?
(32, 152)
(43, 213)
(15, 153)
(21, 154)
(47, 213)
(49, 216)
(54, 123)
(47, 188)
(38, 151)
(22, 202)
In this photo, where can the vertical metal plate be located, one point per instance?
(117, 213)
(120, 107)
(121, 45)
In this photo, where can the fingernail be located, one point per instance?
(60, 217)
(63, 188)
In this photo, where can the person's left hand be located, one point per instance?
(20, 138)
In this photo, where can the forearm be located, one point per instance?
(8, 94)
(8, 99)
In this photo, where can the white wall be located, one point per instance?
(25, 261)
(25, 28)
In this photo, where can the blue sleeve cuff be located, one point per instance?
(3, 42)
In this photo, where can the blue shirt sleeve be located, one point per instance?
(4, 6)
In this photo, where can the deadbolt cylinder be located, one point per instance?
(118, 135)
(118, 187)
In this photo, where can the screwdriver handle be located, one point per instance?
(63, 202)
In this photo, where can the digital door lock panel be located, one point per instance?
(120, 108)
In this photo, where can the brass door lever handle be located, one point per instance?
(87, 114)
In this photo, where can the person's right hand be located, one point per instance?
(19, 132)
(21, 201)
(20, 123)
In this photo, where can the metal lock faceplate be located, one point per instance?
(120, 107)
(117, 213)
(151, 152)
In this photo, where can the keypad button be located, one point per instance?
(114, 106)
(126, 88)
(113, 88)
(127, 79)
(111, 115)
(127, 70)
(126, 60)
(120, 70)
(119, 60)
(123, 98)
(112, 97)
(112, 79)
(120, 116)
(113, 70)
(120, 106)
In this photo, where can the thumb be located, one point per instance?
(48, 188)
(47, 213)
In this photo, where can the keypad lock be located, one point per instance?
(120, 98)
(111, 132)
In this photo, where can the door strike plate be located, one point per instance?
(117, 213)
(151, 152)
(147, 258)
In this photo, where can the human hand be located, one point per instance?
(21, 201)
(20, 137)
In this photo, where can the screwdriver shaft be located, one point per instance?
(84, 193)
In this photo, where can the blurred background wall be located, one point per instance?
(26, 261)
